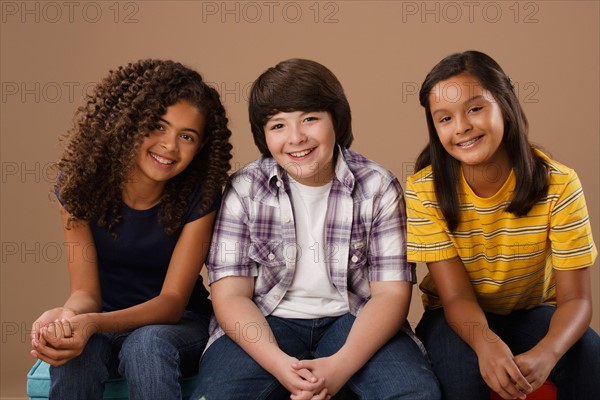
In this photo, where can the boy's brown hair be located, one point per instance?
(298, 85)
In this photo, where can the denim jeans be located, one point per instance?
(151, 358)
(457, 368)
(399, 370)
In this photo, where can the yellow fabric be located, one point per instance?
(509, 259)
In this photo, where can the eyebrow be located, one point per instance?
(477, 97)
(302, 114)
(184, 129)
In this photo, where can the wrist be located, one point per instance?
(88, 325)
(346, 362)
(545, 349)
(68, 310)
(276, 364)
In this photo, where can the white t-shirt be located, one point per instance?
(311, 295)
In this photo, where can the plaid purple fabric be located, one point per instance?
(255, 234)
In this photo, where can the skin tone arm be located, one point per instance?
(61, 334)
(465, 316)
(234, 308)
(379, 320)
(570, 320)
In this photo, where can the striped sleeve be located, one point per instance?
(228, 254)
(570, 230)
(427, 237)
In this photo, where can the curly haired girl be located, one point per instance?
(139, 183)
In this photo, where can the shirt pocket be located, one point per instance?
(271, 265)
(268, 253)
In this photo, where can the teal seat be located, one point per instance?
(38, 384)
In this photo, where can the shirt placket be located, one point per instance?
(338, 238)
(286, 219)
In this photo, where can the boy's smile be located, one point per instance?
(303, 144)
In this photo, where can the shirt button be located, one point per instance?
(276, 296)
(271, 256)
(286, 219)
(354, 259)
(278, 183)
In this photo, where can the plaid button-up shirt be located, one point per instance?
(365, 232)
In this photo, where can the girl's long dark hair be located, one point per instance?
(530, 170)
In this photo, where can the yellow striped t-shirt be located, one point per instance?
(509, 259)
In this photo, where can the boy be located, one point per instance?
(308, 269)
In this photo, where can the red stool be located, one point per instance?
(545, 392)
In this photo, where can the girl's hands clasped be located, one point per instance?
(501, 373)
(63, 338)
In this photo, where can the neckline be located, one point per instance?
(496, 197)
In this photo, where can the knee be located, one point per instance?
(441, 340)
(584, 353)
(147, 345)
(431, 392)
(425, 387)
(92, 362)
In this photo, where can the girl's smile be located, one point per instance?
(161, 160)
(166, 151)
(172, 144)
(468, 120)
(470, 126)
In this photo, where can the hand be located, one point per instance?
(501, 373)
(63, 340)
(301, 383)
(50, 316)
(536, 364)
(327, 367)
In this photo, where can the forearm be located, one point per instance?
(163, 309)
(380, 319)
(567, 325)
(469, 322)
(81, 302)
(243, 322)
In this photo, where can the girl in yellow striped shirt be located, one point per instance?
(505, 233)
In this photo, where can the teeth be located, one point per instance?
(469, 142)
(301, 153)
(161, 160)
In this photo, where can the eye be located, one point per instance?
(275, 127)
(310, 118)
(188, 138)
(443, 119)
(158, 127)
(475, 109)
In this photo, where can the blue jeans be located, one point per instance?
(151, 358)
(457, 368)
(399, 370)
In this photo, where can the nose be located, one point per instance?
(463, 124)
(297, 134)
(168, 141)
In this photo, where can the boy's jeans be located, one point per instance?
(399, 370)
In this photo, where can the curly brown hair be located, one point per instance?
(109, 129)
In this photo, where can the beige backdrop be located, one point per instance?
(52, 51)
